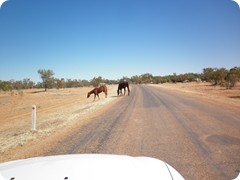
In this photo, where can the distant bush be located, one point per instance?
(222, 76)
(233, 77)
(217, 76)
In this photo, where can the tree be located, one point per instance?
(208, 74)
(233, 77)
(216, 76)
(147, 78)
(60, 83)
(46, 76)
(219, 76)
(27, 83)
(96, 81)
(136, 79)
(6, 85)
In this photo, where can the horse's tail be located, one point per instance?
(105, 90)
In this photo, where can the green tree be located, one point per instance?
(147, 78)
(27, 83)
(233, 77)
(136, 79)
(6, 85)
(60, 83)
(96, 81)
(208, 74)
(219, 76)
(46, 76)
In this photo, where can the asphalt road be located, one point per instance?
(199, 139)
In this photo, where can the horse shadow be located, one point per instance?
(114, 96)
(40, 91)
(234, 97)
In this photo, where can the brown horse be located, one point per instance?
(98, 90)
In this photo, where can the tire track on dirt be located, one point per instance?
(174, 127)
(94, 137)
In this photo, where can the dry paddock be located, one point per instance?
(55, 109)
(58, 109)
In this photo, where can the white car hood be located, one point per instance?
(88, 167)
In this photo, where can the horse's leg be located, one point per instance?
(98, 96)
(106, 93)
(128, 89)
(124, 91)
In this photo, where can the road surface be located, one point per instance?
(199, 138)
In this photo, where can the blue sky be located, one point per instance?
(83, 39)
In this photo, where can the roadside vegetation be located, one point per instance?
(216, 76)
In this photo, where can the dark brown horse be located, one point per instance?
(98, 90)
(123, 85)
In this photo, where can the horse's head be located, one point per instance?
(88, 94)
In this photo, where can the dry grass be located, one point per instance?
(55, 109)
(227, 98)
(206, 88)
(58, 109)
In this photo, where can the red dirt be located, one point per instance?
(70, 108)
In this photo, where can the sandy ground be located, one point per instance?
(206, 89)
(227, 98)
(57, 109)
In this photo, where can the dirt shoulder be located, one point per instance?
(227, 98)
(57, 110)
(62, 112)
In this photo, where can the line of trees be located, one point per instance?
(222, 76)
(217, 76)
